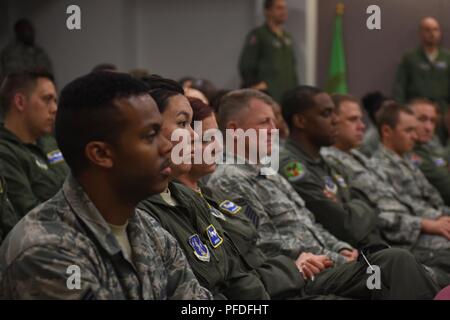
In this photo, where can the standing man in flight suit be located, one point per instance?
(267, 60)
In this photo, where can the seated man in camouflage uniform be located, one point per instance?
(286, 226)
(89, 241)
(398, 221)
(397, 127)
(428, 153)
(33, 166)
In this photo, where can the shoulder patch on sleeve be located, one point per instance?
(230, 207)
(55, 156)
(294, 171)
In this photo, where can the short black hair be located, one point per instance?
(24, 82)
(268, 4)
(22, 23)
(372, 102)
(104, 67)
(162, 89)
(87, 112)
(298, 100)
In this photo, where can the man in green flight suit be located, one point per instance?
(425, 71)
(267, 60)
(306, 109)
(33, 166)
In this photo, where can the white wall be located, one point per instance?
(175, 38)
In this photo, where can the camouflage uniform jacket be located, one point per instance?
(411, 184)
(397, 220)
(68, 230)
(283, 223)
(8, 217)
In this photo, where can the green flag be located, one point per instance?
(337, 74)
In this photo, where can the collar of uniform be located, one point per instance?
(440, 55)
(294, 147)
(391, 154)
(5, 134)
(174, 192)
(83, 207)
(283, 32)
(209, 200)
(10, 136)
(243, 164)
(333, 152)
(358, 155)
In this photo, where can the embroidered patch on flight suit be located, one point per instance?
(330, 186)
(416, 159)
(439, 162)
(441, 65)
(253, 40)
(230, 207)
(200, 249)
(341, 181)
(216, 213)
(294, 171)
(41, 164)
(215, 239)
(55, 156)
(331, 189)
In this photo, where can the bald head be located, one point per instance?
(430, 32)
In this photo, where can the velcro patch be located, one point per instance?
(416, 159)
(439, 162)
(200, 249)
(294, 171)
(330, 186)
(55, 157)
(214, 237)
(230, 207)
